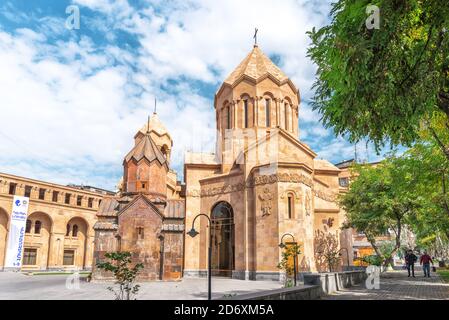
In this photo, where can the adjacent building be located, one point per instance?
(59, 230)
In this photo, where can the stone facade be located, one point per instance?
(271, 182)
(146, 217)
(60, 223)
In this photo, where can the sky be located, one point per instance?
(71, 99)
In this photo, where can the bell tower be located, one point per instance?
(256, 98)
(146, 166)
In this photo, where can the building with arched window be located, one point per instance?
(261, 182)
(59, 224)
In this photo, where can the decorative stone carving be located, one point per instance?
(266, 202)
(308, 204)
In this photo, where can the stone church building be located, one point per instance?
(261, 182)
(146, 217)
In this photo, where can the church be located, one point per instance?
(261, 183)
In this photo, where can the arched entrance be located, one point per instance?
(75, 242)
(222, 237)
(37, 241)
(3, 235)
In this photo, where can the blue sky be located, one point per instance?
(72, 100)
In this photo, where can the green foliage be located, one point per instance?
(382, 199)
(387, 84)
(407, 190)
(124, 275)
(290, 251)
(373, 260)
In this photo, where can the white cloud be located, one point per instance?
(71, 107)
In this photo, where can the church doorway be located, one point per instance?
(222, 236)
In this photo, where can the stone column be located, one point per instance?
(55, 251)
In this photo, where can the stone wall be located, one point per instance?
(305, 292)
(335, 281)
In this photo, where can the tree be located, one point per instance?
(432, 220)
(124, 275)
(291, 251)
(381, 201)
(389, 84)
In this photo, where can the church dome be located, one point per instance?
(154, 125)
(256, 65)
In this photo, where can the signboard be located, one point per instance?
(16, 238)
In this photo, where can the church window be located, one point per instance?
(290, 206)
(67, 232)
(267, 112)
(143, 185)
(245, 105)
(28, 226)
(69, 258)
(27, 191)
(37, 227)
(75, 231)
(228, 118)
(286, 116)
(29, 257)
(140, 233)
(79, 200)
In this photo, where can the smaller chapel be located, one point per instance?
(146, 217)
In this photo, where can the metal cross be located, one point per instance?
(255, 36)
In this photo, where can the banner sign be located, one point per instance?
(16, 238)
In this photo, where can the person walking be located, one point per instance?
(410, 260)
(425, 261)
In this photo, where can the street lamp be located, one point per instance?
(193, 233)
(347, 255)
(282, 245)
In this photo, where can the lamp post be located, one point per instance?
(282, 245)
(347, 255)
(193, 233)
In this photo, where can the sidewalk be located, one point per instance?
(395, 285)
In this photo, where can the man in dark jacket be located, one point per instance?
(425, 261)
(410, 260)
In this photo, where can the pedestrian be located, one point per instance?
(410, 260)
(425, 261)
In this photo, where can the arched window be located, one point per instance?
(290, 206)
(37, 227)
(228, 118)
(267, 113)
(164, 151)
(28, 226)
(245, 111)
(286, 116)
(75, 230)
(67, 232)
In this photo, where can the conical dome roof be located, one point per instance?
(256, 65)
(147, 149)
(155, 125)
